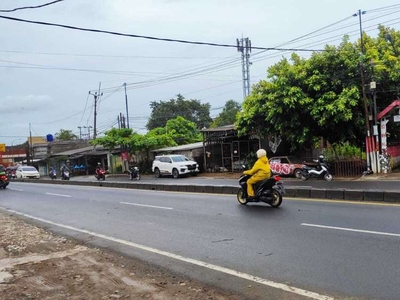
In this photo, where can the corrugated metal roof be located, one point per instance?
(181, 147)
(77, 151)
(222, 128)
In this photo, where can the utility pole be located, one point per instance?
(244, 46)
(369, 143)
(30, 144)
(88, 129)
(96, 96)
(126, 104)
(80, 132)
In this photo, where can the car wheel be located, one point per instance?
(175, 173)
(297, 173)
(157, 173)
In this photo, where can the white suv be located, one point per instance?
(175, 165)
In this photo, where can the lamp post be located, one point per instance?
(12, 150)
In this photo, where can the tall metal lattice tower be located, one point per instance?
(244, 47)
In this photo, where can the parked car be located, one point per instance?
(27, 172)
(286, 165)
(175, 165)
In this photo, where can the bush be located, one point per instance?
(343, 152)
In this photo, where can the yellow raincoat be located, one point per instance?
(260, 171)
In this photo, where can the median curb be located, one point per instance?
(292, 191)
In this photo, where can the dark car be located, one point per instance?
(286, 165)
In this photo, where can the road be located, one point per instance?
(338, 249)
(356, 184)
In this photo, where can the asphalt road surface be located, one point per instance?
(311, 248)
(358, 184)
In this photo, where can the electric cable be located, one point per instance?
(146, 37)
(30, 7)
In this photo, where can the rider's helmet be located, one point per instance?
(321, 157)
(261, 153)
(99, 164)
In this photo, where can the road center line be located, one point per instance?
(238, 274)
(351, 229)
(152, 206)
(59, 195)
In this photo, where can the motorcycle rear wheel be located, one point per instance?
(240, 197)
(276, 198)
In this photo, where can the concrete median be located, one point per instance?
(291, 192)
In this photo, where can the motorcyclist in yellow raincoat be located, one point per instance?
(260, 171)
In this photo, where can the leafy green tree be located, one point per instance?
(114, 137)
(192, 110)
(228, 114)
(65, 135)
(183, 131)
(304, 100)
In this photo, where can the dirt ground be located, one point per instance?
(36, 264)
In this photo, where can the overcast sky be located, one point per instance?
(46, 72)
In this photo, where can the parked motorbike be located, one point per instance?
(318, 169)
(269, 191)
(65, 175)
(53, 174)
(100, 173)
(4, 181)
(134, 173)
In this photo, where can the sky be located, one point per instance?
(48, 74)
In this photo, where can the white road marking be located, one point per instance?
(246, 276)
(19, 190)
(152, 206)
(351, 229)
(59, 195)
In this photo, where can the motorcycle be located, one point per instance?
(318, 169)
(134, 173)
(53, 174)
(4, 181)
(65, 175)
(100, 174)
(269, 190)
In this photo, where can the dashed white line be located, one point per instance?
(351, 229)
(145, 205)
(59, 195)
(14, 189)
(266, 282)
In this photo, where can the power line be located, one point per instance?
(30, 7)
(112, 56)
(148, 37)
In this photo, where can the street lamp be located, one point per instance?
(12, 150)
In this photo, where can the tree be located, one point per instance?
(304, 100)
(65, 135)
(183, 131)
(114, 137)
(228, 114)
(133, 141)
(192, 110)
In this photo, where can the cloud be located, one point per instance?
(26, 103)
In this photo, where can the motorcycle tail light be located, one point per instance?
(3, 177)
(277, 178)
